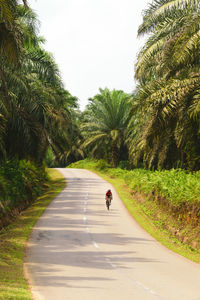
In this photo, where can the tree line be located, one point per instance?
(159, 125)
(155, 127)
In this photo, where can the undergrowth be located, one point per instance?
(21, 182)
(176, 185)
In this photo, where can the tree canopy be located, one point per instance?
(104, 127)
(157, 126)
(167, 98)
(35, 109)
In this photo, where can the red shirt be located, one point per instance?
(108, 193)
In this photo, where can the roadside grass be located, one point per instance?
(13, 239)
(143, 210)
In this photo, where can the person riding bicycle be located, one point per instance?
(109, 195)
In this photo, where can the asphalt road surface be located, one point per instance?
(80, 250)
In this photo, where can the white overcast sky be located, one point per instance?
(94, 42)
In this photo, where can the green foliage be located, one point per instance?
(176, 185)
(90, 163)
(82, 163)
(102, 164)
(35, 110)
(104, 125)
(73, 148)
(124, 164)
(165, 126)
(20, 183)
(50, 158)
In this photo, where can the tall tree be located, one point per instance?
(168, 94)
(34, 107)
(104, 128)
(73, 148)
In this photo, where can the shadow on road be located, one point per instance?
(61, 240)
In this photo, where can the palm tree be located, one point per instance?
(106, 118)
(34, 110)
(168, 96)
(10, 33)
(73, 148)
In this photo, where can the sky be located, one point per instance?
(94, 42)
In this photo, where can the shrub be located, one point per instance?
(102, 164)
(124, 164)
(176, 185)
(20, 183)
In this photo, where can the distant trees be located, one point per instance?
(161, 121)
(73, 147)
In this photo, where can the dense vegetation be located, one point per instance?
(175, 185)
(36, 112)
(35, 109)
(104, 125)
(168, 93)
(156, 127)
(20, 184)
(150, 138)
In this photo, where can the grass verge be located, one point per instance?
(142, 213)
(13, 238)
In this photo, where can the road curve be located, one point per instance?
(79, 250)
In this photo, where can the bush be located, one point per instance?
(124, 164)
(176, 185)
(20, 183)
(102, 164)
(50, 158)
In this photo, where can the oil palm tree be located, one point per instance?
(73, 147)
(10, 33)
(106, 118)
(39, 113)
(34, 107)
(168, 73)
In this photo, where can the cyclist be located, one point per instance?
(108, 195)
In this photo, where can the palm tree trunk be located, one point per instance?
(114, 155)
(4, 84)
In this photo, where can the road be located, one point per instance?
(79, 250)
